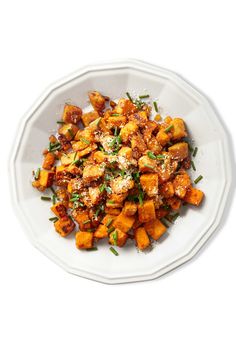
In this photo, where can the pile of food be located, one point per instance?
(117, 173)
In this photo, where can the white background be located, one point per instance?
(45, 310)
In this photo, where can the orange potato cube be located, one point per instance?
(123, 222)
(101, 231)
(108, 220)
(59, 209)
(181, 184)
(125, 107)
(146, 212)
(71, 114)
(155, 229)
(48, 161)
(68, 131)
(99, 157)
(82, 218)
(141, 238)
(67, 159)
(118, 121)
(118, 238)
(126, 152)
(97, 100)
(89, 117)
(45, 179)
(174, 203)
(86, 151)
(116, 200)
(111, 211)
(193, 196)
(64, 226)
(162, 137)
(178, 130)
(127, 131)
(92, 173)
(167, 190)
(121, 185)
(146, 164)
(138, 143)
(62, 176)
(84, 239)
(149, 183)
(129, 208)
(179, 151)
(94, 194)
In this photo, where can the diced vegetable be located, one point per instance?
(141, 238)
(155, 228)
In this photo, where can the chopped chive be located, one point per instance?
(195, 151)
(53, 190)
(168, 128)
(54, 219)
(97, 212)
(115, 237)
(109, 222)
(110, 201)
(102, 187)
(108, 189)
(166, 207)
(54, 147)
(149, 166)
(86, 221)
(74, 199)
(60, 122)
(144, 96)
(122, 173)
(71, 133)
(76, 161)
(110, 229)
(37, 173)
(92, 249)
(91, 230)
(193, 165)
(112, 249)
(174, 216)
(46, 198)
(115, 115)
(164, 222)
(155, 106)
(84, 140)
(115, 131)
(129, 97)
(151, 155)
(161, 157)
(76, 195)
(140, 199)
(54, 199)
(198, 179)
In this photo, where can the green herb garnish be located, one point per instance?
(115, 237)
(92, 249)
(168, 128)
(54, 146)
(155, 106)
(86, 221)
(91, 230)
(193, 165)
(110, 201)
(109, 222)
(71, 133)
(60, 122)
(102, 187)
(151, 155)
(46, 198)
(54, 219)
(195, 151)
(164, 222)
(110, 229)
(148, 166)
(37, 173)
(54, 199)
(144, 96)
(84, 140)
(129, 97)
(114, 251)
(198, 179)
(115, 115)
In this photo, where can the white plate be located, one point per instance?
(177, 98)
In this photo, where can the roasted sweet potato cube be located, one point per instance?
(166, 169)
(179, 151)
(161, 213)
(137, 223)
(71, 114)
(141, 238)
(59, 209)
(146, 164)
(125, 107)
(162, 137)
(64, 226)
(82, 218)
(123, 222)
(92, 173)
(62, 176)
(108, 220)
(84, 239)
(97, 101)
(116, 200)
(68, 131)
(46, 178)
(67, 159)
(121, 185)
(48, 161)
(154, 146)
(111, 211)
(125, 152)
(118, 238)
(86, 151)
(146, 211)
(138, 143)
(127, 131)
(140, 118)
(181, 184)
(94, 194)
(101, 231)
(167, 190)
(178, 130)
(116, 121)
(86, 136)
(193, 196)
(75, 185)
(99, 157)
(149, 183)
(129, 208)
(155, 229)
(174, 203)
(89, 117)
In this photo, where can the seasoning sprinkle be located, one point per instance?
(155, 106)
(195, 151)
(198, 179)
(168, 128)
(193, 165)
(112, 249)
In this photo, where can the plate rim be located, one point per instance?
(140, 66)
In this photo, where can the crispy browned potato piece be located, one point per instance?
(44, 181)
(118, 238)
(84, 239)
(141, 238)
(129, 208)
(94, 194)
(49, 160)
(126, 152)
(179, 151)
(146, 211)
(89, 117)
(121, 185)
(123, 222)
(118, 121)
(71, 114)
(181, 183)
(127, 131)
(97, 101)
(193, 196)
(162, 137)
(82, 218)
(146, 164)
(101, 232)
(115, 200)
(155, 228)
(64, 226)
(111, 211)
(92, 173)
(108, 220)
(137, 143)
(149, 183)
(125, 107)
(167, 189)
(174, 203)
(68, 131)
(59, 209)
(178, 130)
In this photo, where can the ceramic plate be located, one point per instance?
(176, 98)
